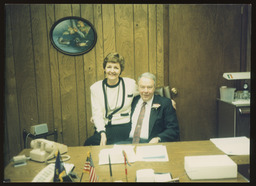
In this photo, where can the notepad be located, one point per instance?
(151, 153)
(116, 154)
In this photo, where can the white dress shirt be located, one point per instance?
(145, 124)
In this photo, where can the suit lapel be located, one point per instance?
(153, 115)
(153, 112)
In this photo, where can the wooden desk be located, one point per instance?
(175, 165)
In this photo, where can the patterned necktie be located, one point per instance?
(136, 136)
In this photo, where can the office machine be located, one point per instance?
(39, 129)
(20, 160)
(237, 75)
(234, 112)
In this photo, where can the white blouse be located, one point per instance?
(109, 98)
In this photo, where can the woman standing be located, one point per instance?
(111, 100)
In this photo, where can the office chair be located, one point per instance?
(165, 92)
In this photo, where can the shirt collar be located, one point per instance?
(149, 102)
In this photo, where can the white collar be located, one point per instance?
(149, 102)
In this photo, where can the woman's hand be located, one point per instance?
(103, 139)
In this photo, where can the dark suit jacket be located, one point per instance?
(163, 121)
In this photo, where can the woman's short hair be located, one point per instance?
(148, 75)
(115, 58)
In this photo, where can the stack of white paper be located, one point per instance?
(210, 167)
(233, 145)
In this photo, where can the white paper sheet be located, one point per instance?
(116, 154)
(233, 145)
(152, 153)
(165, 177)
(148, 175)
(145, 175)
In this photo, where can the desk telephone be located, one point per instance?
(44, 150)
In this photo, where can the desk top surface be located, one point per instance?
(176, 152)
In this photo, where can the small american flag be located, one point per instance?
(89, 167)
(87, 164)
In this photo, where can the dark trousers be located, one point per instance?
(114, 133)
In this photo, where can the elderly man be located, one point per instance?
(153, 117)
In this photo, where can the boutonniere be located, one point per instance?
(155, 106)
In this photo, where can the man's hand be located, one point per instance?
(155, 140)
(103, 139)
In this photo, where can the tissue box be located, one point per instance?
(210, 167)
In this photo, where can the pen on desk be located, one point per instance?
(81, 177)
(110, 169)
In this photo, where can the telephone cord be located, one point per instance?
(63, 157)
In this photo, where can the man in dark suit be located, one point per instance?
(158, 122)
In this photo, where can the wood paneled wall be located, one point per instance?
(182, 44)
(46, 86)
(205, 42)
